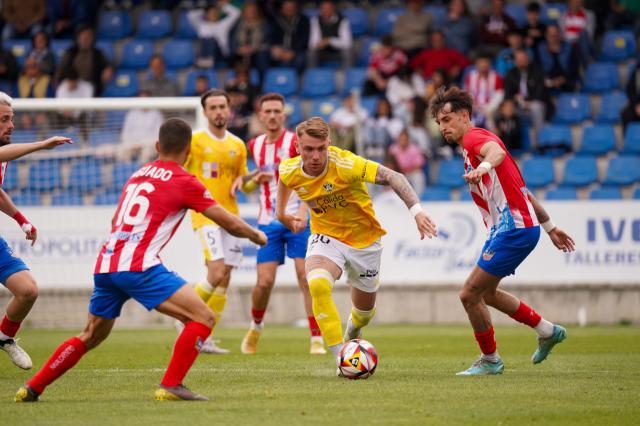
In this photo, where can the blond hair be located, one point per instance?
(5, 99)
(315, 127)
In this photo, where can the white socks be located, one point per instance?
(494, 357)
(544, 328)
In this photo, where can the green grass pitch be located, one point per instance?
(591, 378)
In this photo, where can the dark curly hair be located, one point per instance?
(456, 97)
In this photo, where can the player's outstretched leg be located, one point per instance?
(324, 308)
(25, 292)
(357, 320)
(316, 343)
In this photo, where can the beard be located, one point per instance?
(5, 140)
(220, 123)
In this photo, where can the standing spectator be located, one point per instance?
(344, 121)
(494, 26)
(559, 61)
(213, 25)
(72, 87)
(411, 29)
(380, 131)
(250, 40)
(504, 60)
(385, 62)
(65, 16)
(410, 161)
(33, 83)
(330, 37)
(485, 85)
(439, 56)
(157, 83)
(139, 131)
(290, 37)
(23, 18)
(578, 27)
(508, 126)
(8, 71)
(41, 52)
(242, 95)
(458, 27)
(534, 29)
(87, 60)
(402, 89)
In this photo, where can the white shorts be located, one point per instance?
(362, 265)
(219, 244)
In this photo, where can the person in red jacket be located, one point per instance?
(439, 56)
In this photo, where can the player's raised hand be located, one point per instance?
(55, 141)
(31, 232)
(426, 226)
(260, 238)
(562, 240)
(237, 184)
(474, 176)
(262, 177)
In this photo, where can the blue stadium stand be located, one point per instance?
(572, 108)
(136, 54)
(606, 193)
(121, 172)
(184, 29)
(178, 54)
(450, 173)
(618, 46)
(59, 47)
(601, 77)
(632, 139)
(358, 20)
(597, 139)
(518, 12)
(551, 12)
(114, 25)
(318, 82)
(123, 85)
(281, 80)
(293, 110)
(562, 194)
(103, 137)
(623, 170)
(45, 175)
(368, 45)
(438, 13)
(611, 105)
(465, 195)
(106, 197)
(386, 18)
(538, 172)
(580, 171)
(555, 139)
(11, 178)
(114, 119)
(67, 198)
(354, 78)
(636, 194)
(254, 76)
(190, 82)
(369, 103)
(436, 194)
(26, 198)
(107, 49)
(85, 175)
(154, 24)
(324, 107)
(19, 47)
(20, 136)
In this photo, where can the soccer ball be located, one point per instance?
(358, 359)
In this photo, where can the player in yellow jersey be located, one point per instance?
(218, 159)
(345, 234)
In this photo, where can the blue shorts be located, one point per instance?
(504, 252)
(278, 236)
(149, 288)
(9, 264)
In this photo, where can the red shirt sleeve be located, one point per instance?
(250, 145)
(196, 196)
(474, 141)
(293, 148)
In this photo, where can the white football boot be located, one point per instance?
(16, 353)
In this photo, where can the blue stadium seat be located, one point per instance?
(154, 24)
(597, 139)
(606, 193)
(436, 194)
(20, 49)
(114, 24)
(136, 54)
(324, 107)
(106, 197)
(450, 173)
(358, 20)
(184, 28)
(20, 136)
(367, 48)
(538, 172)
(572, 108)
(386, 18)
(190, 83)
(178, 54)
(562, 194)
(354, 78)
(601, 77)
(72, 134)
(555, 139)
(26, 198)
(623, 170)
(123, 85)
(86, 175)
(369, 103)
(59, 46)
(293, 109)
(518, 12)
(580, 171)
(67, 198)
(618, 46)
(121, 173)
(114, 118)
(254, 76)
(311, 12)
(107, 49)
(611, 105)
(438, 13)
(636, 194)
(632, 139)
(551, 12)
(103, 137)
(11, 177)
(465, 195)
(318, 82)
(281, 80)
(45, 175)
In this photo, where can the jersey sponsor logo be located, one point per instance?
(210, 170)
(369, 273)
(364, 169)
(328, 187)
(324, 204)
(128, 236)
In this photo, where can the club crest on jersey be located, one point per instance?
(328, 187)
(488, 255)
(232, 153)
(302, 190)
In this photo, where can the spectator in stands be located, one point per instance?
(140, 131)
(504, 60)
(623, 14)
(87, 60)
(23, 18)
(410, 161)
(559, 61)
(8, 71)
(33, 83)
(243, 95)
(330, 37)
(402, 88)
(72, 87)
(213, 25)
(380, 131)
(65, 16)
(411, 29)
(416, 127)
(385, 62)
(439, 56)
(250, 39)
(202, 84)
(290, 37)
(343, 122)
(534, 29)
(494, 27)
(458, 27)
(524, 84)
(578, 27)
(508, 126)
(42, 53)
(157, 83)
(632, 110)
(439, 79)
(485, 85)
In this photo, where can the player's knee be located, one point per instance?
(208, 318)
(266, 283)
(320, 283)
(468, 298)
(28, 291)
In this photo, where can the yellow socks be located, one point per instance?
(204, 290)
(357, 320)
(217, 301)
(324, 308)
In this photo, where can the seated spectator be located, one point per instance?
(213, 25)
(23, 18)
(139, 132)
(157, 83)
(329, 37)
(8, 71)
(87, 60)
(402, 89)
(385, 62)
(343, 122)
(242, 95)
(559, 61)
(439, 56)
(410, 161)
(250, 40)
(418, 134)
(504, 60)
(623, 14)
(289, 37)
(485, 85)
(380, 131)
(534, 29)
(33, 83)
(508, 126)
(65, 16)
(202, 85)
(411, 29)
(494, 27)
(42, 53)
(632, 110)
(458, 27)
(578, 27)
(72, 87)
(631, 113)
(439, 79)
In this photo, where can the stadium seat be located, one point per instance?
(597, 139)
(59, 47)
(121, 172)
(26, 198)
(190, 83)
(123, 85)
(436, 194)
(72, 134)
(106, 197)
(254, 76)
(107, 49)
(45, 175)
(67, 198)
(154, 24)
(601, 77)
(311, 12)
(318, 82)
(293, 110)
(438, 13)
(114, 24)
(20, 49)
(636, 194)
(136, 54)
(104, 137)
(538, 172)
(606, 193)
(623, 170)
(20, 136)
(366, 49)
(555, 139)
(518, 12)
(562, 194)
(465, 195)
(178, 54)
(281, 80)
(323, 107)
(551, 12)
(618, 46)
(386, 18)
(354, 78)
(114, 118)
(184, 28)
(611, 105)
(580, 171)
(450, 173)
(632, 139)
(11, 178)
(369, 103)
(358, 20)
(86, 175)
(572, 108)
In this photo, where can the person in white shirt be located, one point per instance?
(139, 131)
(330, 37)
(213, 30)
(72, 86)
(343, 123)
